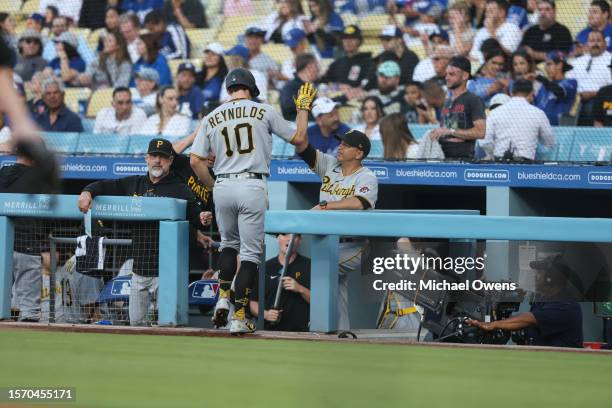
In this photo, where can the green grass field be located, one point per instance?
(110, 370)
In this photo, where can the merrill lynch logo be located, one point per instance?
(134, 207)
(39, 205)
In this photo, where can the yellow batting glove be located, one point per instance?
(305, 97)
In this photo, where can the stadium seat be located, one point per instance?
(199, 37)
(100, 99)
(231, 28)
(88, 125)
(278, 52)
(591, 145)
(91, 143)
(419, 50)
(324, 64)
(349, 18)
(573, 14)
(30, 6)
(139, 144)
(346, 114)
(564, 143)
(61, 142)
(94, 36)
(280, 148)
(74, 95)
(372, 25)
(11, 6)
(376, 149)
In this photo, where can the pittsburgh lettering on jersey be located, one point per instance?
(236, 112)
(336, 189)
(198, 188)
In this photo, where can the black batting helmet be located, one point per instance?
(241, 76)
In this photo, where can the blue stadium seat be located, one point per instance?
(592, 144)
(376, 149)
(88, 125)
(419, 130)
(139, 144)
(564, 143)
(61, 142)
(280, 148)
(90, 143)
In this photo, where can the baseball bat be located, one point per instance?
(279, 288)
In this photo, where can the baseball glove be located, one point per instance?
(305, 97)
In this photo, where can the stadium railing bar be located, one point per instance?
(327, 227)
(573, 144)
(173, 240)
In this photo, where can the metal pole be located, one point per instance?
(52, 268)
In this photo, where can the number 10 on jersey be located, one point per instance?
(240, 131)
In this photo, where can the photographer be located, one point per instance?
(553, 320)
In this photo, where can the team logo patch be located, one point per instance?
(364, 189)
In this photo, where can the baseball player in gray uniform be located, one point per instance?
(239, 133)
(346, 185)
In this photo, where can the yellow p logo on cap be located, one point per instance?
(160, 143)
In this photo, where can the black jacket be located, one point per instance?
(352, 71)
(145, 235)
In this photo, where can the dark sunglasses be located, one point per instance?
(30, 40)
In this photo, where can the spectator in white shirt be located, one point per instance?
(290, 15)
(167, 121)
(123, 118)
(129, 25)
(592, 73)
(496, 26)
(509, 138)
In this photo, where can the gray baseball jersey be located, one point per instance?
(239, 133)
(336, 187)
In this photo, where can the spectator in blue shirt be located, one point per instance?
(68, 64)
(599, 15)
(490, 79)
(213, 72)
(190, 98)
(57, 117)
(148, 48)
(323, 135)
(324, 27)
(173, 41)
(557, 93)
(142, 7)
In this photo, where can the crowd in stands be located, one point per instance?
(428, 62)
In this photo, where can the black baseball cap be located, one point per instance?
(355, 138)
(160, 146)
(186, 66)
(462, 63)
(352, 31)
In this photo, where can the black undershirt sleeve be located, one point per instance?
(364, 203)
(552, 86)
(309, 156)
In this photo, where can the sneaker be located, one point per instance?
(241, 326)
(221, 312)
